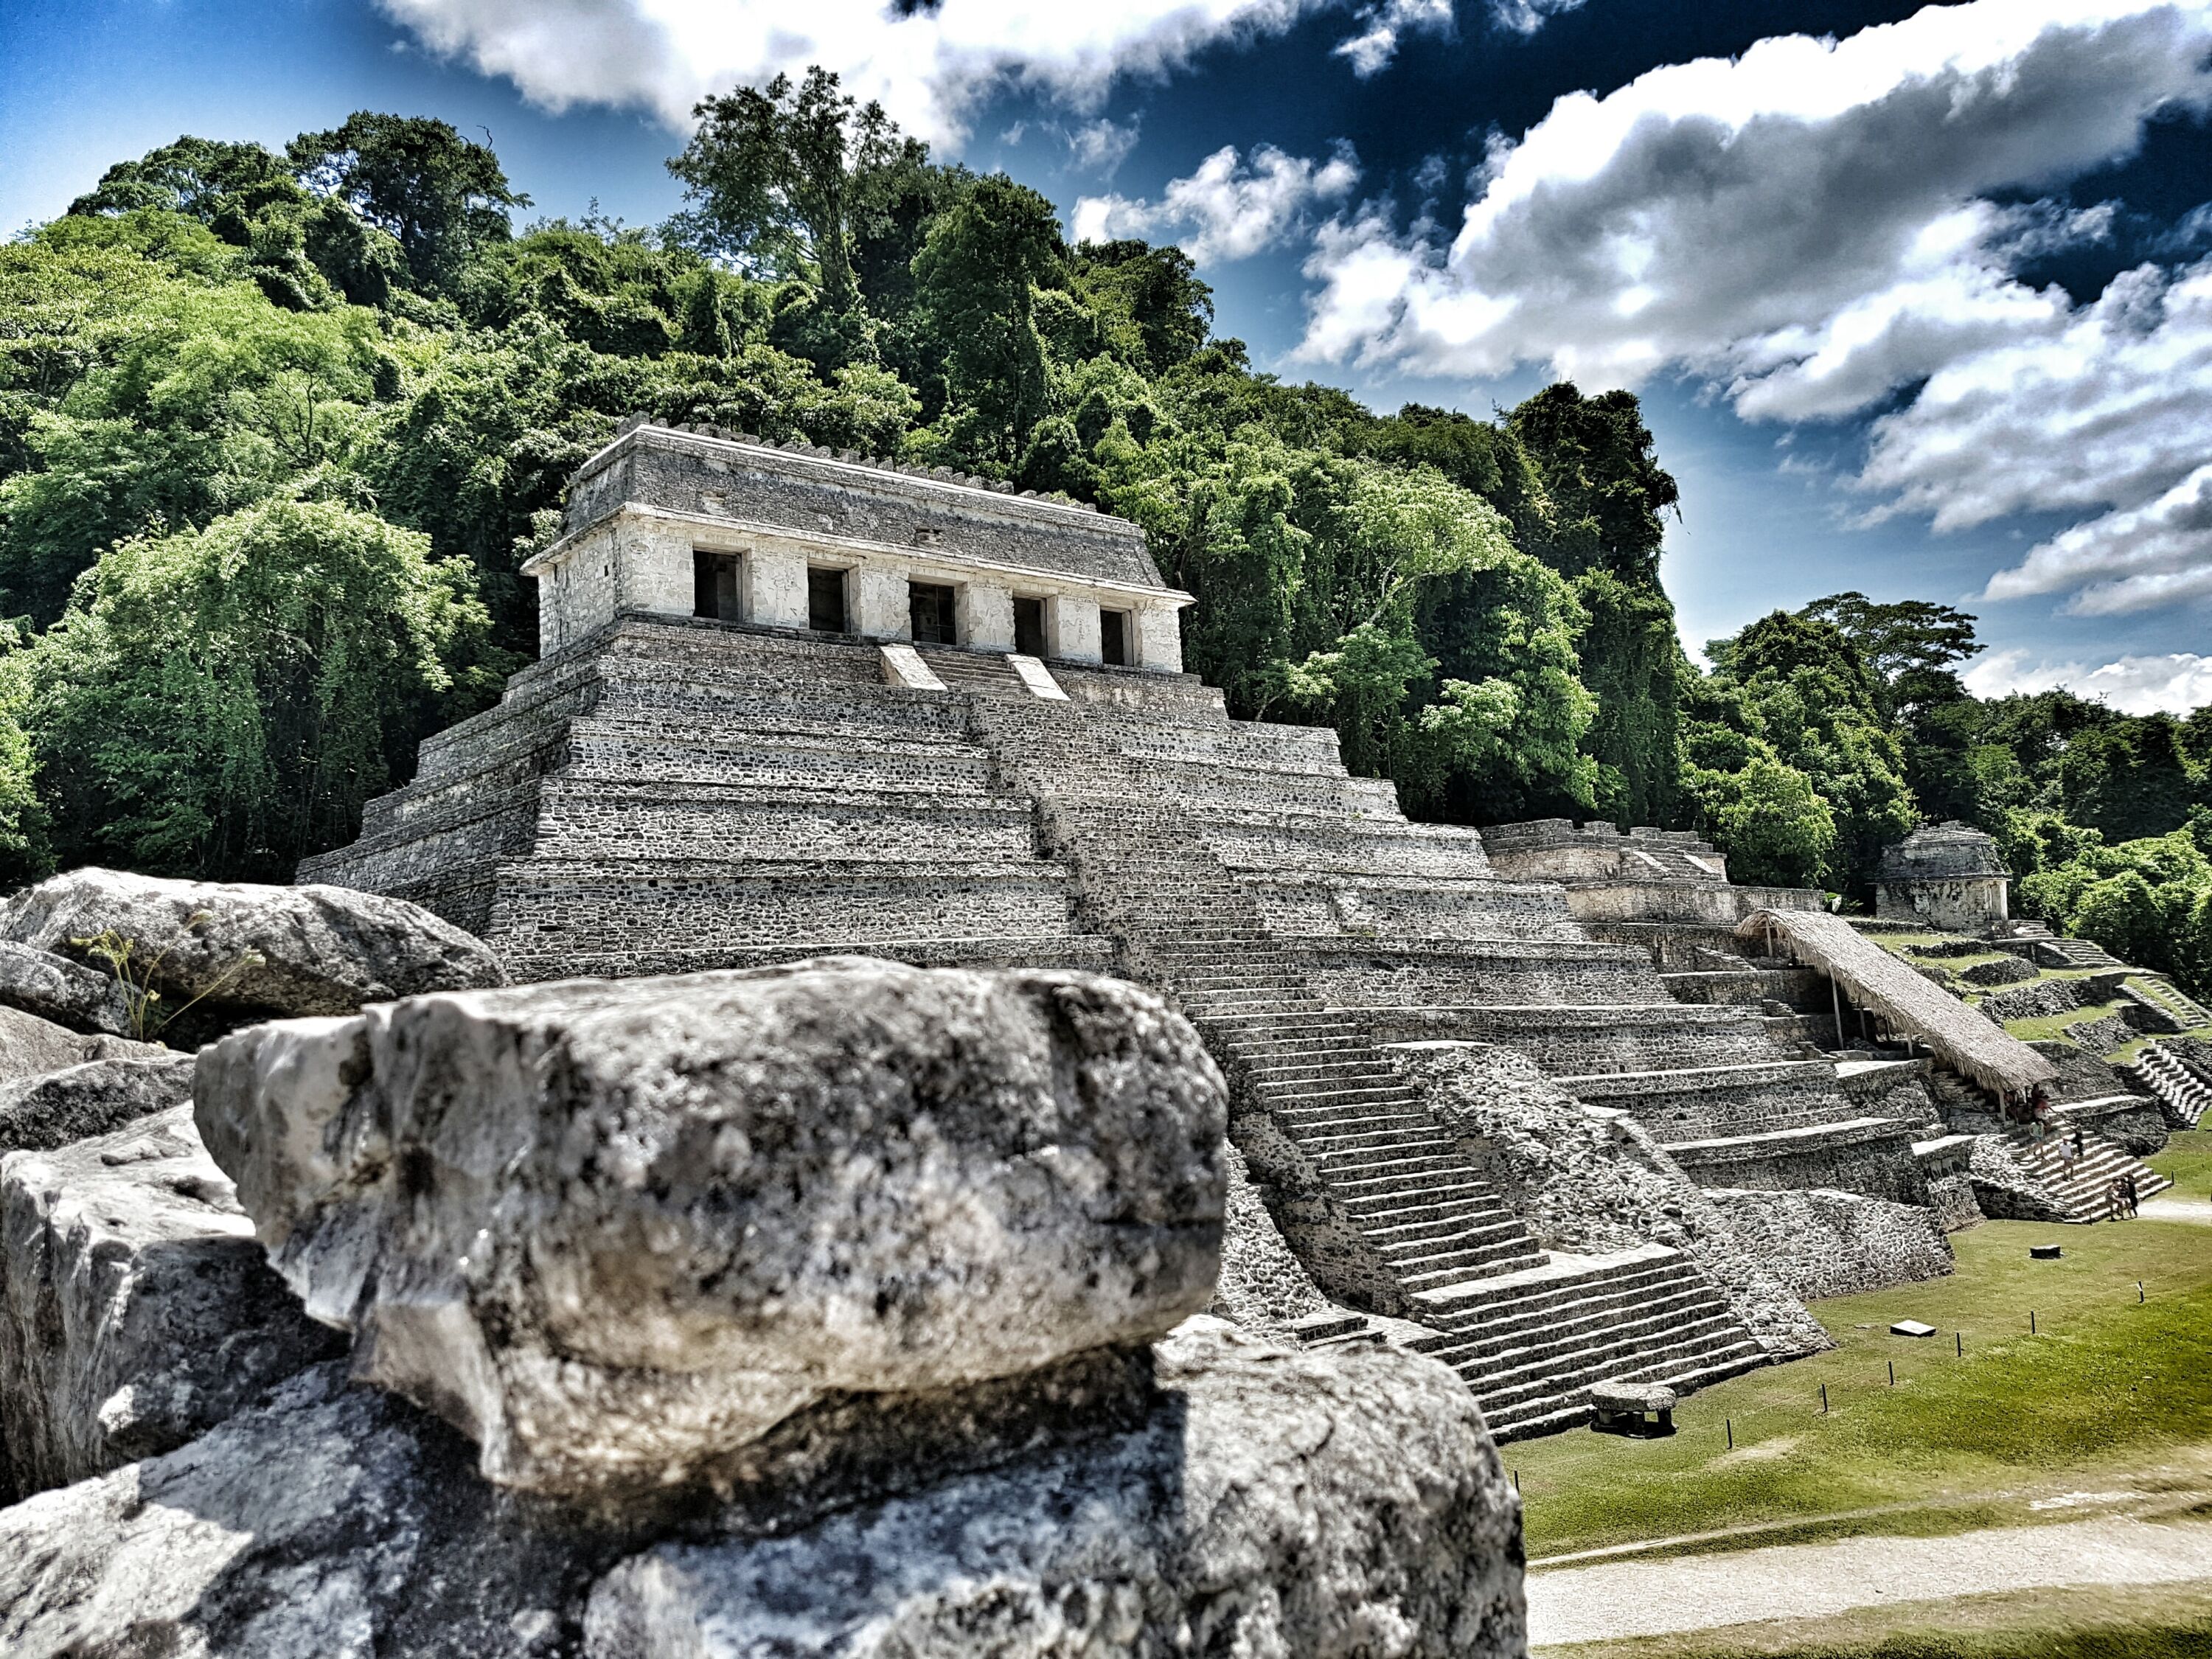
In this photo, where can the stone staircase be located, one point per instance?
(987, 673)
(2168, 1001)
(2184, 1093)
(1538, 1338)
(2074, 953)
(1422, 1236)
(2082, 1190)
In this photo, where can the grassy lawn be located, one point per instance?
(2055, 1026)
(2108, 1394)
(2186, 1162)
(2167, 1622)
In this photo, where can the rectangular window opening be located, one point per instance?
(714, 586)
(1114, 638)
(1029, 627)
(825, 600)
(929, 613)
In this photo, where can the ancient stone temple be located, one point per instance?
(1948, 877)
(792, 704)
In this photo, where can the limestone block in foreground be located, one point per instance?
(335, 1522)
(1335, 1503)
(135, 1309)
(614, 1229)
(322, 949)
(95, 1098)
(70, 993)
(30, 1046)
(1339, 1503)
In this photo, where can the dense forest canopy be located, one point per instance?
(276, 432)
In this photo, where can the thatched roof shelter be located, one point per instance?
(1960, 1036)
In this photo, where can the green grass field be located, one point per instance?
(2108, 1393)
(2187, 1162)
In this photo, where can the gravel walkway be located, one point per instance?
(1620, 1598)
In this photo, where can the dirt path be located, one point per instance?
(2167, 1207)
(1809, 1581)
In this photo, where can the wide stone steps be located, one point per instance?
(1531, 1344)
(2082, 1188)
(2073, 953)
(1397, 1177)
(2167, 999)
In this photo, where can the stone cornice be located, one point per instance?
(717, 532)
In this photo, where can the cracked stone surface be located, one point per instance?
(137, 1310)
(322, 949)
(1276, 1506)
(615, 1230)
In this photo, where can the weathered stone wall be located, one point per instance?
(1872, 1159)
(1407, 973)
(1263, 1288)
(1825, 1242)
(818, 494)
(1569, 1041)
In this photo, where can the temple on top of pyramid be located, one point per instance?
(792, 703)
(690, 523)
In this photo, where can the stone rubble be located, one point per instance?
(68, 992)
(52, 1109)
(137, 1310)
(30, 1046)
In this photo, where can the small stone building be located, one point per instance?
(1945, 876)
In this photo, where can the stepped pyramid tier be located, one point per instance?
(701, 772)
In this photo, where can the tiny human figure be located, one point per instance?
(2128, 1193)
(2114, 1198)
(2077, 1140)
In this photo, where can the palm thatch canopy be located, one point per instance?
(1960, 1036)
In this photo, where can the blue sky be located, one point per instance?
(1916, 299)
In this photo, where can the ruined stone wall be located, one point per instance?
(1873, 1160)
(1825, 1242)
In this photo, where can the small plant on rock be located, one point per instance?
(136, 977)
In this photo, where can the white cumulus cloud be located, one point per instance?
(1821, 224)
(1383, 28)
(926, 65)
(2134, 685)
(1526, 16)
(1229, 208)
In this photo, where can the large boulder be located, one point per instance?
(30, 1046)
(618, 1230)
(135, 1308)
(68, 992)
(236, 946)
(1341, 1503)
(334, 1522)
(53, 1108)
(1265, 1503)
